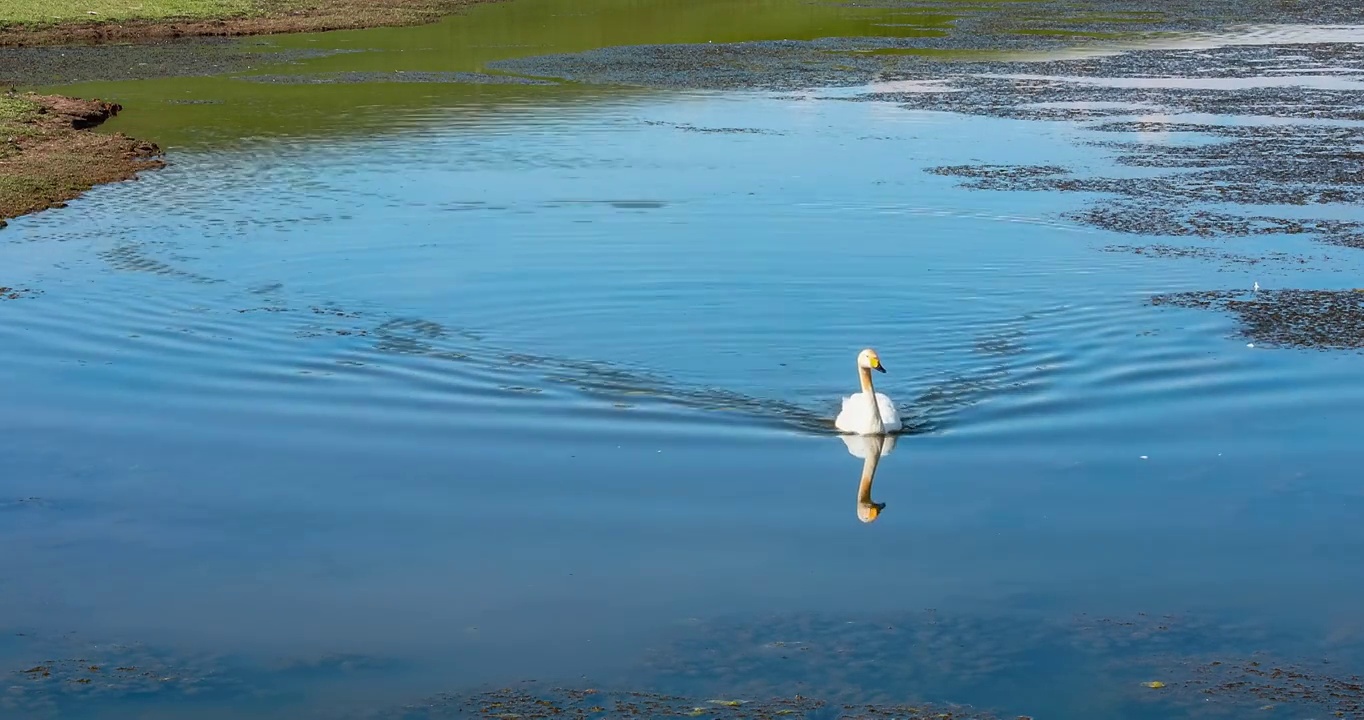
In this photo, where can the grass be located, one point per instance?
(60, 22)
(15, 110)
(16, 121)
(44, 12)
(24, 186)
(39, 13)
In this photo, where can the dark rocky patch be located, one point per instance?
(786, 65)
(530, 702)
(687, 127)
(1132, 217)
(620, 204)
(1349, 235)
(1159, 250)
(334, 311)
(637, 204)
(77, 678)
(1298, 687)
(1319, 319)
(999, 173)
(16, 293)
(36, 66)
(399, 76)
(1124, 16)
(103, 674)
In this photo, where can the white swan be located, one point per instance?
(868, 412)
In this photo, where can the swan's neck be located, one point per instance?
(868, 472)
(865, 375)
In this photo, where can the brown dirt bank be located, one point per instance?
(49, 155)
(274, 16)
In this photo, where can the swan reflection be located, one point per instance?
(871, 448)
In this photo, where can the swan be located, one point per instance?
(868, 412)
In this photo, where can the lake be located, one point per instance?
(383, 390)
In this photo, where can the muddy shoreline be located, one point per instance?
(49, 154)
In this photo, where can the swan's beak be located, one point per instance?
(879, 367)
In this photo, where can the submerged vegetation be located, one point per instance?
(1318, 319)
(908, 665)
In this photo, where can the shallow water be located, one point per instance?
(547, 391)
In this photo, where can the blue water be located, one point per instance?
(529, 394)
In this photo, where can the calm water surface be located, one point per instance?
(528, 392)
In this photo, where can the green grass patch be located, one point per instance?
(48, 12)
(21, 186)
(16, 109)
(15, 115)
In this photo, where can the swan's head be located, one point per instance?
(870, 360)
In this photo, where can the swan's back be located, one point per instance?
(857, 414)
(890, 417)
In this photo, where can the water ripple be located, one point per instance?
(379, 284)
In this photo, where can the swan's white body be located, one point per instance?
(868, 412)
(863, 416)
